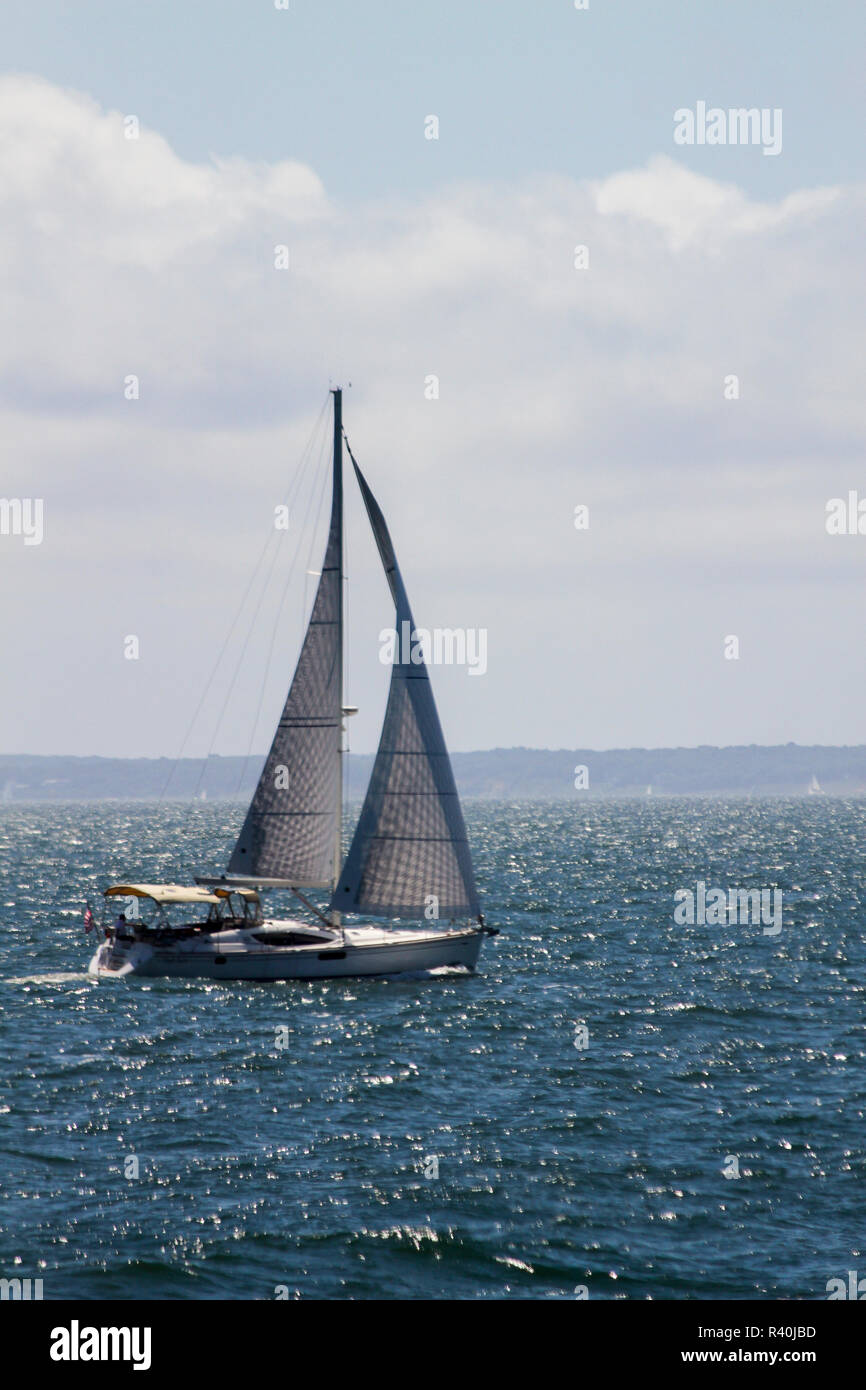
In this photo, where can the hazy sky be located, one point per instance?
(455, 257)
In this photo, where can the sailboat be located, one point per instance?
(409, 860)
(815, 788)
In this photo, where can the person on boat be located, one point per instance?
(120, 927)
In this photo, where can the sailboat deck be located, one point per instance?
(365, 935)
(375, 936)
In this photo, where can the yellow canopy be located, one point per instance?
(249, 894)
(161, 892)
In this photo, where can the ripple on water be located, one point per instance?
(446, 1137)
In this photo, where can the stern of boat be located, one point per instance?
(113, 960)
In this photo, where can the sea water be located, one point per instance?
(616, 1104)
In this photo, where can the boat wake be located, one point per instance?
(54, 977)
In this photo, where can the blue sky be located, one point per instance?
(520, 88)
(560, 386)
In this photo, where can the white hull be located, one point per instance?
(242, 955)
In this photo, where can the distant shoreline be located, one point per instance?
(498, 774)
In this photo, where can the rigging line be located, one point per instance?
(249, 632)
(210, 679)
(278, 618)
(315, 528)
(289, 493)
(301, 466)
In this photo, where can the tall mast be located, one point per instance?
(337, 513)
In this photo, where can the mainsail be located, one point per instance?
(292, 829)
(410, 855)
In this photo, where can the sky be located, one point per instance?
(692, 377)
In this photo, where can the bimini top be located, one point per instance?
(161, 892)
(249, 895)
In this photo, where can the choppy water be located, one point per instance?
(559, 1167)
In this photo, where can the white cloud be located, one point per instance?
(693, 209)
(557, 386)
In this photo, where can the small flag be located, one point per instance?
(88, 919)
